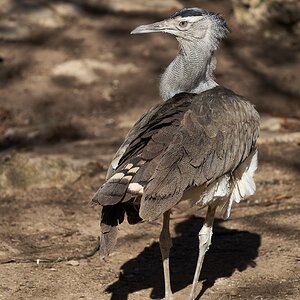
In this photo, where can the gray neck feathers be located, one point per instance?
(191, 71)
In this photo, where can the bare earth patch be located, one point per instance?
(58, 134)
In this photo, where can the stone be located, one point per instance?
(11, 30)
(274, 15)
(72, 263)
(268, 138)
(25, 21)
(44, 17)
(26, 171)
(5, 6)
(66, 10)
(141, 6)
(107, 94)
(271, 123)
(87, 71)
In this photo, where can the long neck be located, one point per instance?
(191, 72)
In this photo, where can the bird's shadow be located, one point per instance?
(230, 250)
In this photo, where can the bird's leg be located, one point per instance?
(205, 235)
(165, 244)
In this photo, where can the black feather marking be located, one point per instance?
(190, 12)
(111, 217)
(195, 11)
(132, 213)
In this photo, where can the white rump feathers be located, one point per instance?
(232, 187)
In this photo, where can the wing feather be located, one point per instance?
(215, 135)
(190, 140)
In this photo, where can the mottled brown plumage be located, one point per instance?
(190, 140)
(199, 144)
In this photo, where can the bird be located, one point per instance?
(197, 144)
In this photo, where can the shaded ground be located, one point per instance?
(52, 123)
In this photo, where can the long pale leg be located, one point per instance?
(165, 244)
(205, 235)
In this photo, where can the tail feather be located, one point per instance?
(113, 191)
(116, 196)
(108, 241)
(111, 217)
(132, 213)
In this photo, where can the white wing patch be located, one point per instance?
(117, 176)
(135, 188)
(114, 164)
(129, 166)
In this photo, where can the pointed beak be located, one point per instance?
(154, 27)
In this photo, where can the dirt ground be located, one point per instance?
(58, 133)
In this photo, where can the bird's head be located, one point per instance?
(189, 26)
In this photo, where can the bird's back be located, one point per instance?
(190, 141)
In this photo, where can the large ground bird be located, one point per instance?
(197, 144)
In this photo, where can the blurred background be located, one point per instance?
(72, 83)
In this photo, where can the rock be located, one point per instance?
(107, 94)
(5, 6)
(234, 292)
(72, 263)
(11, 30)
(44, 17)
(87, 71)
(273, 16)
(271, 123)
(249, 12)
(6, 248)
(275, 138)
(141, 6)
(21, 21)
(25, 171)
(66, 10)
(83, 71)
(275, 130)
(7, 251)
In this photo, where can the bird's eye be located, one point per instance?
(183, 24)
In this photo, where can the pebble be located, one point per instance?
(72, 263)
